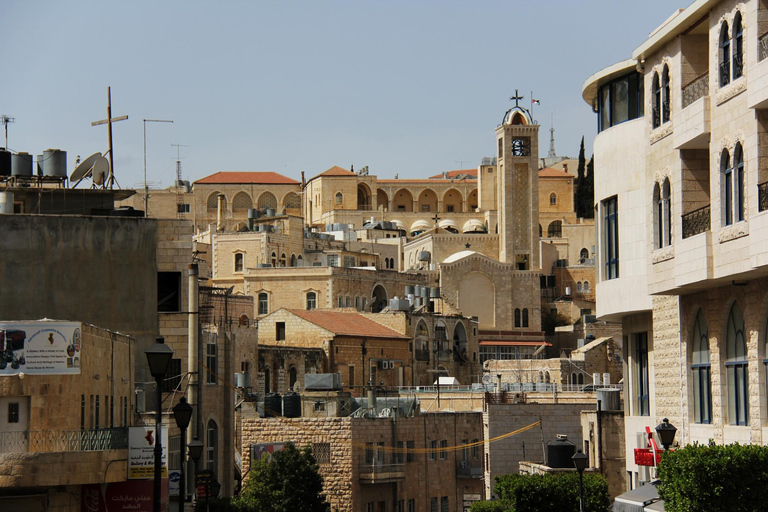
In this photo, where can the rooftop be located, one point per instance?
(346, 323)
(240, 177)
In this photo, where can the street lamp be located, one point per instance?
(195, 452)
(666, 432)
(159, 358)
(580, 462)
(182, 412)
(146, 188)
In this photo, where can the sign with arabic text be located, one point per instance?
(40, 348)
(141, 453)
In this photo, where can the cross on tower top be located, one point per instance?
(517, 98)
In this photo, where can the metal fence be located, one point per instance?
(696, 89)
(63, 440)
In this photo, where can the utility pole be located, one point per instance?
(6, 120)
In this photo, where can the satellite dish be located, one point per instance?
(100, 170)
(82, 169)
(487, 379)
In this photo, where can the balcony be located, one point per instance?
(696, 89)
(757, 78)
(696, 222)
(380, 473)
(692, 123)
(49, 441)
(469, 469)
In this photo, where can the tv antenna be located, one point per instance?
(179, 190)
(6, 120)
(108, 121)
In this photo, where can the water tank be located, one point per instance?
(253, 213)
(610, 399)
(6, 202)
(21, 164)
(273, 405)
(560, 452)
(596, 379)
(424, 256)
(435, 292)
(55, 163)
(5, 162)
(417, 290)
(409, 290)
(38, 166)
(292, 405)
(243, 380)
(270, 212)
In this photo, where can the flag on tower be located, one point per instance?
(535, 102)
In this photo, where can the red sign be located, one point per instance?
(130, 496)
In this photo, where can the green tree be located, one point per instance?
(588, 190)
(534, 493)
(580, 173)
(289, 482)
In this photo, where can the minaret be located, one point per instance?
(552, 153)
(518, 188)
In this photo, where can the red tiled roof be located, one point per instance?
(515, 343)
(239, 177)
(453, 174)
(431, 180)
(551, 172)
(347, 323)
(337, 171)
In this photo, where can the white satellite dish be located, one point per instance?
(81, 171)
(487, 379)
(100, 170)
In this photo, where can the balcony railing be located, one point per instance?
(762, 196)
(762, 47)
(725, 74)
(696, 89)
(738, 66)
(696, 222)
(379, 472)
(63, 440)
(467, 469)
(656, 116)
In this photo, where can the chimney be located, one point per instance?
(220, 212)
(565, 167)
(303, 181)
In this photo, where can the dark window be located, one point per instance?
(517, 317)
(98, 412)
(444, 504)
(611, 238)
(279, 331)
(665, 95)
(475, 448)
(322, 452)
(555, 229)
(211, 360)
(702, 379)
(727, 171)
(311, 300)
(410, 454)
(172, 377)
(211, 446)
(182, 208)
(552, 199)
(13, 412)
(443, 447)
(738, 47)
(525, 317)
(263, 304)
(736, 368)
(643, 384)
(169, 291)
(239, 258)
(619, 100)
(738, 167)
(725, 55)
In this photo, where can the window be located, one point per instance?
(311, 300)
(656, 101)
(725, 55)
(349, 261)
(642, 378)
(412, 505)
(82, 412)
(737, 379)
(611, 238)
(168, 292)
(98, 412)
(182, 208)
(449, 208)
(339, 198)
(552, 199)
(475, 448)
(665, 95)
(13, 412)
(738, 47)
(351, 376)
(333, 260)
(702, 383)
(239, 257)
(211, 446)
(263, 304)
(340, 302)
(433, 450)
(525, 317)
(410, 454)
(282, 260)
(443, 449)
(173, 376)
(555, 229)
(765, 356)
(322, 452)
(279, 331)
(585, 287)
(732, 185)
(578, 287)
(583, 255)
(738, 166)
(211, 359)
(517, 317)
(444, 504)
(273, 259)
(433, 505)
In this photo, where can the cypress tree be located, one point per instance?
(588, 190)
(578, 200)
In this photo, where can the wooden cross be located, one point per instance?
(517, 98)
(108, 121)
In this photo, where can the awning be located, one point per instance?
(473, 226)
(515, 343)
(398, 223)
(657, 506)
(420, 225)
(447, 223)
(637, 499)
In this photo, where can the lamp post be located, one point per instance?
(666, 432)
(159, 358)
(182, 412)
(146, 188)
(195, 451)
(580, 462)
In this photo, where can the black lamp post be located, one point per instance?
(182, 412)
(159, 358)
(580, 462)
(666, 432)
(195, 452)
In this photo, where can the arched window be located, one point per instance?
(738, 46)
(239, 261)
(658, 217)
(244, 321)
(555, 229)
(667, 210)
(541, 376)
(738, 167)
(725, 56)
(211, 446)
(292, 377)
(274, 259)
(267, 375)
(263, 304)
(656, 101)
(213, 201)
(552, 199)
(241, 202)
(581, 378)
(578, 287)
(736, 368)
(727, 176)
(299, 261)
(517, 317)
(525, 317)
(665, 94)
(293, 260)
(573, 378)
(702, 378)
(339, 198)
(282, 260)
(583, 255)
(267, 200)
(585, 287)
(311, 300)
(340, 301)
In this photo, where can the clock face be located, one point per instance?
(521, 146)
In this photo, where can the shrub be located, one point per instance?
(533, 493)
(487, 506)
(714, 478)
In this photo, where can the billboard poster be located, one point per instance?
(260, 450)
(40, 348)
(141, 453)
(133, 496)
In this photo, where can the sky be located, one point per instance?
(407, 87)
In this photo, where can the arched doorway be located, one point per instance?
(427, 201)
(452, 201)
(292, 376)
(460, 343)
(403, 201)
(382, 200)
(379, 299)
(363, 197)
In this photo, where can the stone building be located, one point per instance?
(680, 199)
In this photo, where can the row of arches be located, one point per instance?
(425, 200)
(443, 342)
(242, 201)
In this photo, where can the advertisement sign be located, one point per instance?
(131, 496)
(260, 450)
(174, 478)
(141, 453)
(40, 348)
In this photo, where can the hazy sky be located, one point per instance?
(408, 87)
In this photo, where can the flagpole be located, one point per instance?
(532, 102)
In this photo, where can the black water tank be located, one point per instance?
(560, 453)
(5, 162)
(273, 405)
(292, 405)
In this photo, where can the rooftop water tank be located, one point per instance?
(273, 405)
(610, 399)
(5, 162)
(6, 202)
(292, 405)
(21, 164)
(54, 163)
(560, 452)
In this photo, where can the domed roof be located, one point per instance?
(518, 116)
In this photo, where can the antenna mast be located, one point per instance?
(179, 188)
(5, 120)
(552, 153)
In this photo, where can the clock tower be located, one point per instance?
(517, 188)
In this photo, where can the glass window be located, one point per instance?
(620, 100)
(605, 108)
(725, 55)
(168, 291)
(611, 238)
(263, 304)
(239, 257)
(525, 317)
(211, 359)
(279, 331)
(339, 198)
(552, 199)
(727, 172)
(666, 201)
(311, 300)
(656, 101)
(665, 95)
(738, 168)
(738, 46)
(585, 288)
(517, 317)
(736, 368)
(642, 378)
(702, 379)
(211, 446)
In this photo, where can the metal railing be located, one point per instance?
(725, 73)
(469, 469)
(738, 66)
(656, 116)
(696, 89)
(510, 387)
(762, 47)
(49, 441)
(380, 468)
(696, 222)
